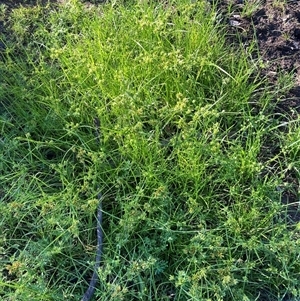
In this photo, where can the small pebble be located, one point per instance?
(234, 23)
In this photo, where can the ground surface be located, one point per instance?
(276, 26)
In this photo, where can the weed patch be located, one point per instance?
(191, 206)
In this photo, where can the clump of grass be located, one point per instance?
(190, 212)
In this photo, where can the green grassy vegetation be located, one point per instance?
(192, 161)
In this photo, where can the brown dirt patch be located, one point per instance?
(276, 27)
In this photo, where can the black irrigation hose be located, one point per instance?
(91, 289)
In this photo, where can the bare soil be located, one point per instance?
(276, 27)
